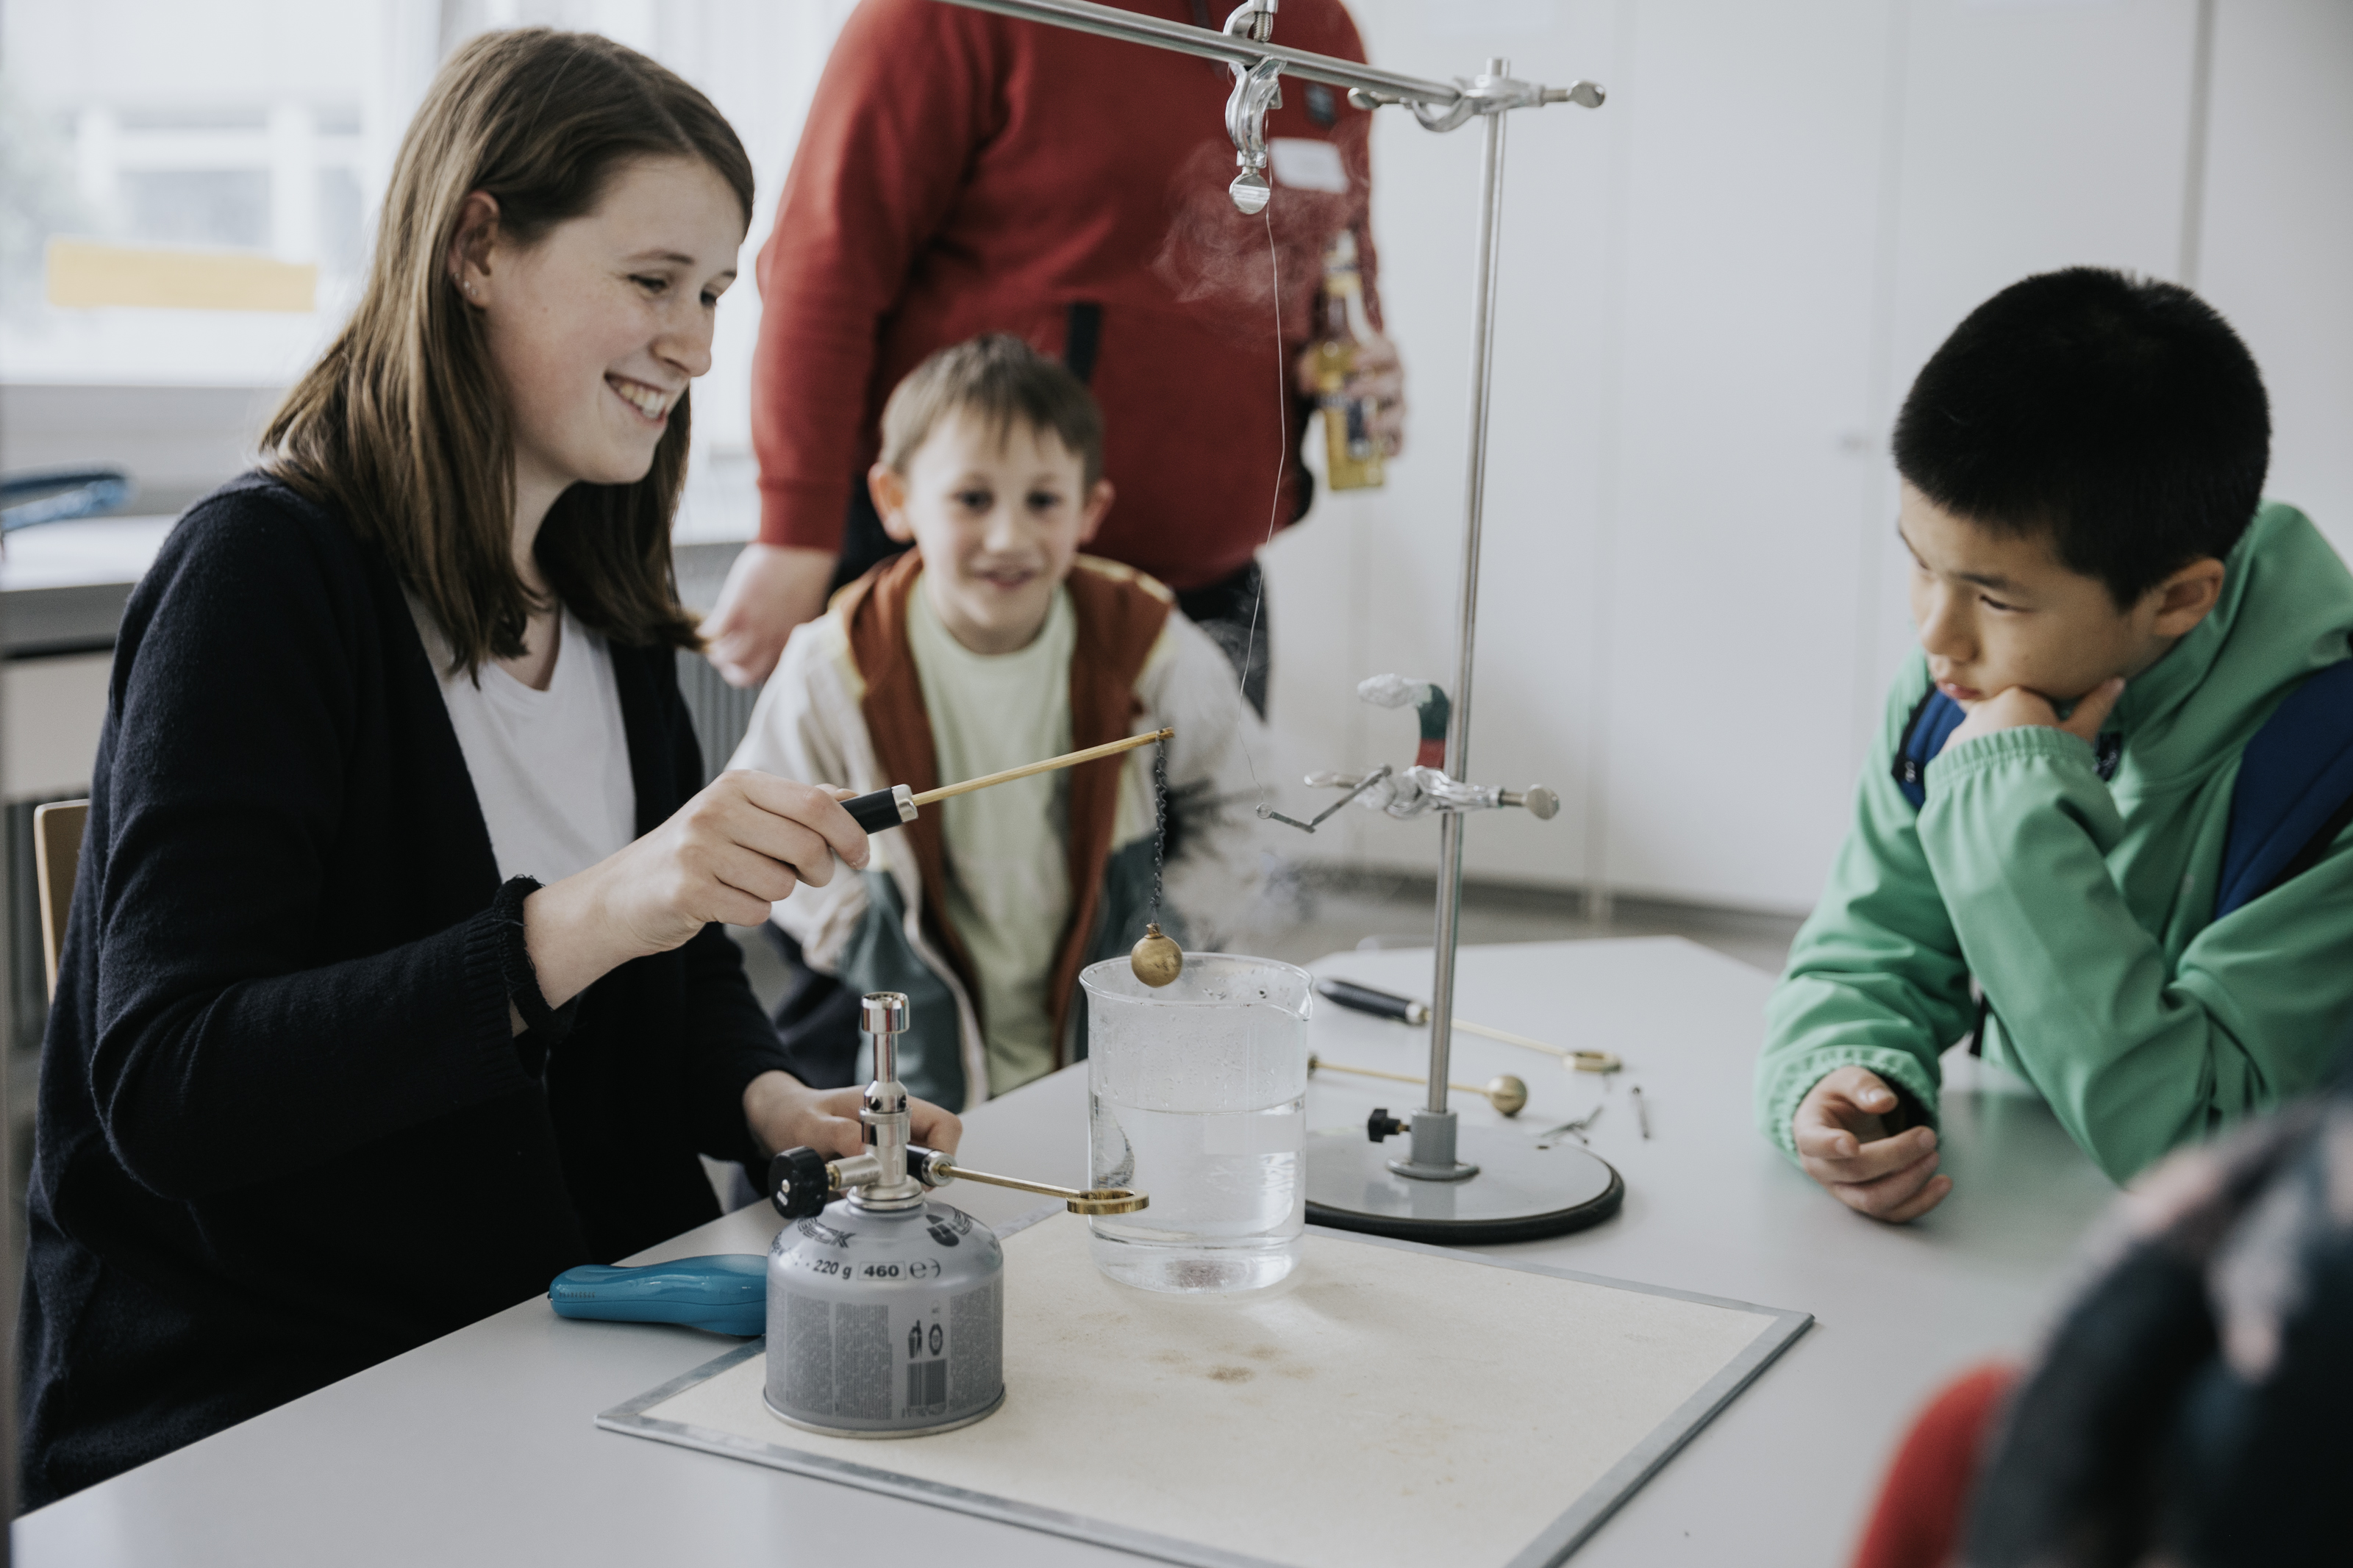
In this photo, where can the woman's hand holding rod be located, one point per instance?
(747, 840)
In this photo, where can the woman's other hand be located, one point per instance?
(784, 1113)
(740, 845)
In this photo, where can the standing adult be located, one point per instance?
(962, 174)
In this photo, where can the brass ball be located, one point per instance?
(1507, 1094)
(1157, 958)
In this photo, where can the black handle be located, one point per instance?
(1381, 1003)
(797, 1184)
(875, 812)
(1381, 1126)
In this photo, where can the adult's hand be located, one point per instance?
(771, 589)
(784, 1113)
(1840, 1130)
(1378, 375)
(747, 840)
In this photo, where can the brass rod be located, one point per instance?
(950, 1168)
(1069, 759)
(1506, 1094)
(1578, 1061)
(1508, 1039)
(1317, 1063)
(1097, 1200)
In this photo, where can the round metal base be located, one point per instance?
(1521, 1194)
(994, 1405)
(1457, 1172)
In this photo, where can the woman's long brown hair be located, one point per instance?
(402, 426)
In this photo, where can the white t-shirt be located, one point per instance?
(550, 768)
(1009, 892)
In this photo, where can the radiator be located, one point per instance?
(721, 712)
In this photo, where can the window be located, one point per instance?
(268, 127)
(218, 126)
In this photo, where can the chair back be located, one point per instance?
(57, 851)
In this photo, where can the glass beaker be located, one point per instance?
(1197, 1095)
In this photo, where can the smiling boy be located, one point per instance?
(991, 644)
(2111, 613)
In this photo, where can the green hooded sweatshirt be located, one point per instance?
(2086, 910)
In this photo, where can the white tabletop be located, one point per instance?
(87, 549)
(480, 1447)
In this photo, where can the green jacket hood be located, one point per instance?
(2286, 610)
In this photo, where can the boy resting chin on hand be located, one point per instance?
(2102, 593)
(992, 644)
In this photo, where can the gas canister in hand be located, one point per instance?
(886, 1306)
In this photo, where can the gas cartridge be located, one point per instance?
(886, 1308)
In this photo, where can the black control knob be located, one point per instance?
(797, 1184)
(1381, 1126)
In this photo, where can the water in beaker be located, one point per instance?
(1198, 1097)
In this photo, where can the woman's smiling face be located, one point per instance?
(595, 329)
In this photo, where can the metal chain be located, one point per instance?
(1159, 824)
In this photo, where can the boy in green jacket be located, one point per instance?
(2098, 583)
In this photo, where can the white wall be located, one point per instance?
(1715, 292)
(2276, 250)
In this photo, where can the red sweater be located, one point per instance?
(962, 172)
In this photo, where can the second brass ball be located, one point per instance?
(1157, 958)
(1507, 1094)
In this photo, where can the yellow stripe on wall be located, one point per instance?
(83, 273)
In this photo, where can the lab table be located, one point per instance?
(480, 1447)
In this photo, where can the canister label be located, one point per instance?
(881, 1364)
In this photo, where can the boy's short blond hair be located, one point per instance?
(1005, 382)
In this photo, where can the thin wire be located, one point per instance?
(1273, 505)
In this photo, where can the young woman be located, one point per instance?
(331, 1072)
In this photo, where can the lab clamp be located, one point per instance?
(1423, 787)
(1517, 1202)
(886, 1308)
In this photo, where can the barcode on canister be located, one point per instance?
(927, 1383)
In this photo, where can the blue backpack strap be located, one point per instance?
(1933, 719)
(2294, 792)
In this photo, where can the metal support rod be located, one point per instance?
(1475, 498)
(1110, 22)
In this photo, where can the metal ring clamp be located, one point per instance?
(1255, 91)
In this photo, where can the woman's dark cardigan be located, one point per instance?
(284, 1133)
